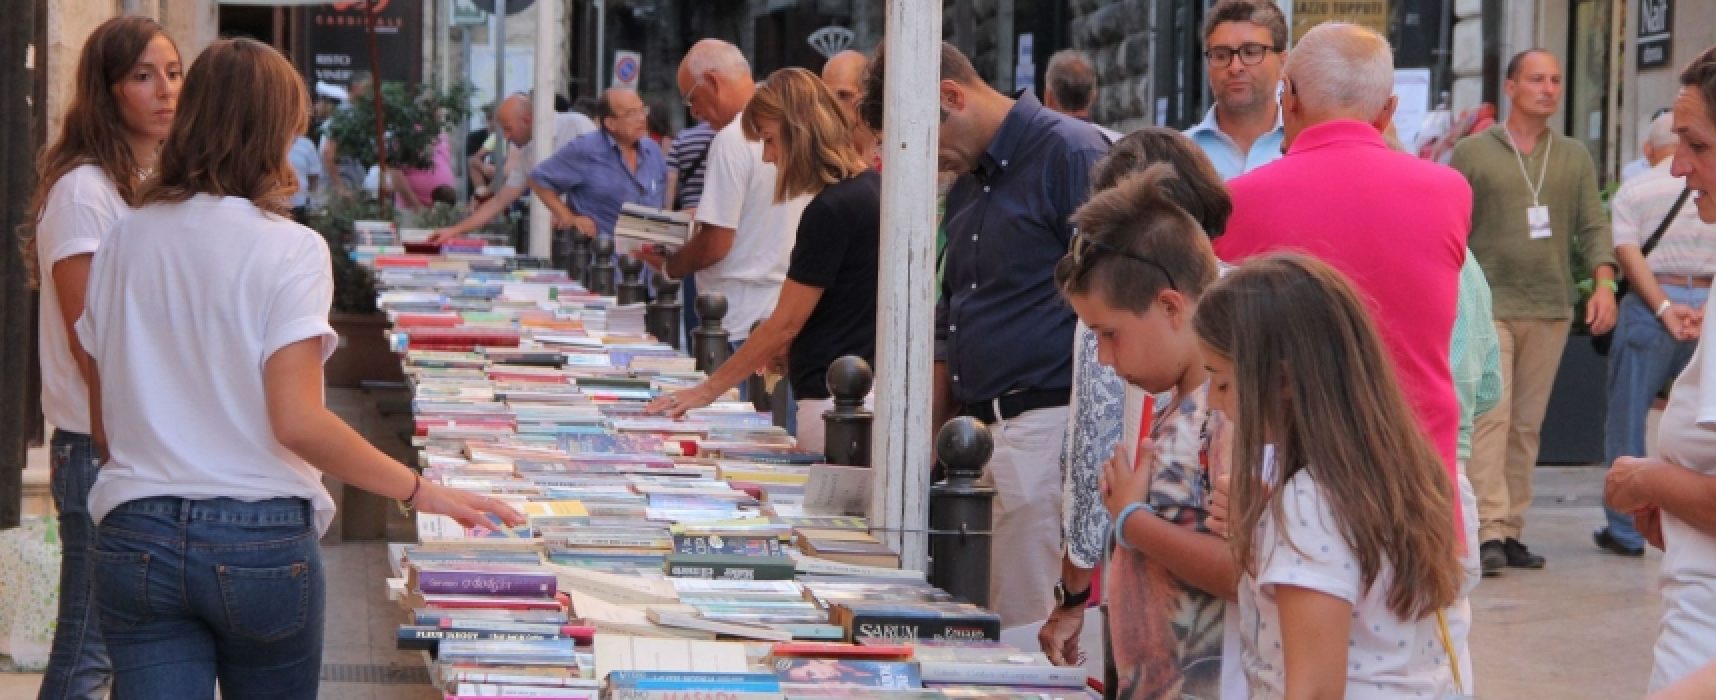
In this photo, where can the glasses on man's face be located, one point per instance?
(1249, 54)
(1084, 249)
(634, 112)
(691, 94)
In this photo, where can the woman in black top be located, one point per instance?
(827, 306)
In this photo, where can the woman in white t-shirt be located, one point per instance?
(122, 106)
(1348, 511)
(207, 320)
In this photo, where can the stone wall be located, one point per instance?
(1117, 36)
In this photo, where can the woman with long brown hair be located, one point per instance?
(1341, 508)
(122, 105)
(827, 305)
(207, 324)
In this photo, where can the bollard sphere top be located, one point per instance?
(604, 246)
(630, 265)
(964, 445)
(712, 305)
(849, 377)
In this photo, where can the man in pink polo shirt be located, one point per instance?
(1393, 223)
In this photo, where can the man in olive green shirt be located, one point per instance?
(1534, 199)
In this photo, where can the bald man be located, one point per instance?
(587, 181)
(515, 119)
(844, 75)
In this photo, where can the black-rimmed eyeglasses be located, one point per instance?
(1084, 249)
(1249, 54)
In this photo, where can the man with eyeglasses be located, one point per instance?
(585, 183)
(1245, 45)
(744, 237)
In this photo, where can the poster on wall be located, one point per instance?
(1656, 23)
(1310, 13)
(336, 46)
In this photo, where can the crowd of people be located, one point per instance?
(1264, 374)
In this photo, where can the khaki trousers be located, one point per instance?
(1505, 440)
(1025, 559)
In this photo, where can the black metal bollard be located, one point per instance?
(847, 426)
(661, 317)
(710, 341)
(960, 512)
(632, 289)
(578, 259)
(602, 268)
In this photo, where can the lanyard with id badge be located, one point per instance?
(1537, 216)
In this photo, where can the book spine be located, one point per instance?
(529, 585)
(717, 544)
(923, 627)
(1001, 674)
(413, 637)
(734, 570)
(690, 694)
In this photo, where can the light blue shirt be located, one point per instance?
(1224, 153)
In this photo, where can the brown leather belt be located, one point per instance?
(1689, 281)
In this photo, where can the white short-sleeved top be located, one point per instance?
(186, 303)
(739, 193)
(80, 210)
(1386, 658)
(1687, 436)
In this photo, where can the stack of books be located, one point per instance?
(640, 226)
(658, 556)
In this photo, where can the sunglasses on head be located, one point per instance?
(1084, 248)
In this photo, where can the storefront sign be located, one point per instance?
(1656, 21)
(337, 47)
(1310, 13)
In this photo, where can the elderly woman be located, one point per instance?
(1673, 498)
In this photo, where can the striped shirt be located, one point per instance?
(687, 158)
(1689, 246)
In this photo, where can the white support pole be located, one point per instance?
(497, 47)
(603, 70)
(905, 311)
(444, 42)
(548, 63)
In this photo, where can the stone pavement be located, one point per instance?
(1582, 628)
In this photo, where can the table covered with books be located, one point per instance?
(702, 557)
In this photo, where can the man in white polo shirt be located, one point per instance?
(744, 237)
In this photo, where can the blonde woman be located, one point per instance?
(207, 323)
(827, 306)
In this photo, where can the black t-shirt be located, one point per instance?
(838, 241)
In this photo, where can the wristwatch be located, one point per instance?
(1068, 601)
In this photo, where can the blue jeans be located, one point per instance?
(77, 665)
(1642, 360)
(191, 592)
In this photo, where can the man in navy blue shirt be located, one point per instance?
(1003, 335)
(598, 172)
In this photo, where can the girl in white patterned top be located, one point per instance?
(1341, 509)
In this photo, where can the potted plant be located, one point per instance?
(413, 119)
